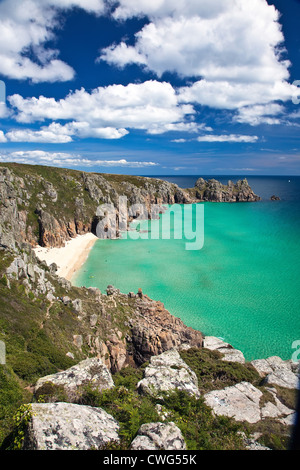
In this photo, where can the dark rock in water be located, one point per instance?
(275, 198)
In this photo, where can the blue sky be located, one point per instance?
(152, 88)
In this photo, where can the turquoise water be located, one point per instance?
(242, 286)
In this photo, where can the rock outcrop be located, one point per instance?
(275, 371)
(243, 403)
(240, 402)
(91, 372)
(168, 372)
(155, 330)
(213, 190)
(158, 436)
(66, 426)
(229, 352)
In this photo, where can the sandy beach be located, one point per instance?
(69, 258)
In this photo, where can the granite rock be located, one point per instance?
(90, 371)
(66, 426)
(158, 436)
(168, 372)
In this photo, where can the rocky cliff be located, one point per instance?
(213, 190)
(48, 206)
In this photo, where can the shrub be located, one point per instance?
(200, 428)
(213, 373)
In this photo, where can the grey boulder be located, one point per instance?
(158, 436)
(90, 372)
(168, 372)
(66, 426)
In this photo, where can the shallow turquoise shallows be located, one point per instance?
(242, 286)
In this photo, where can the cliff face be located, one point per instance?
(48, 206)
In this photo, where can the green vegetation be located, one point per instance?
(200, 429)
(215, 374)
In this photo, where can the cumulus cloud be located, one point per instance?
(59, 134)
(42, 136)
(108, 111)
(228, 138)
(260, 114)
(161, 8)
(224, 95)
(231, 49)
(198, 39)
(26, 27)
(62, 159)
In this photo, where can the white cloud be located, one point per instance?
(260, 114)
(42, 136)
(26, 27)
(152, 106)
(225, 95)
(161, 8)
(2, 137)
(59, 134)
(62, 159)
(233, 48)
(122, 55)
(228, 138)
(237, 41)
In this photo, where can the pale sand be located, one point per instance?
(69, 258)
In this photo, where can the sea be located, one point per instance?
(242, 285)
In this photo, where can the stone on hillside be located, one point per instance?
(66, 426)
(158, 436)
(240, 401)
(111, 290)
(230, 354)
(90, 371)
(168, 372)
(278, 372)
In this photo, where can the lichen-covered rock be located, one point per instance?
(158, 436)
(240, 401)
(243, 403)
(168, 372)
(66, 426)
(277, 371)
(230, 354)
(90, 372)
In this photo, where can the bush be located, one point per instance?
(126, 406)
(213, 373)
(11, 397)
(201, 430)
(29, 366)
